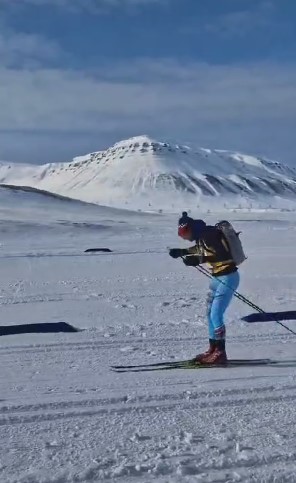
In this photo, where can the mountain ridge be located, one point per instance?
(148, 174)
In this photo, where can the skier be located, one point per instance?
(213, 248)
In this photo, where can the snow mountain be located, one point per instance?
(142, 173)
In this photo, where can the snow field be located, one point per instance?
(65, 417)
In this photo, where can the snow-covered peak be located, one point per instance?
(135, 141)
(141, 172)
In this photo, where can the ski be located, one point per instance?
(187, 362)
(156, 364)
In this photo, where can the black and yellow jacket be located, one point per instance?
(212, 248)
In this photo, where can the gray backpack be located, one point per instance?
(233, 241)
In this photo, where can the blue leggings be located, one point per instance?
(219, 297)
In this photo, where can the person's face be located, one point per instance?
(187, 234)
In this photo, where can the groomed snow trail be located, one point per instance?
(65, 417)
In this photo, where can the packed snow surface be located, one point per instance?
(142, 173)
(65, 417)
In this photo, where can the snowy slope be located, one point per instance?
(66, 418)
(143, 173)
(30, 217)
(19, 202)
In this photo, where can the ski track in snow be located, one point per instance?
(211, 425)
(66, 418)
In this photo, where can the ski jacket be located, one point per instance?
(212, 248)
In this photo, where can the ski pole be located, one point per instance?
(242, 298)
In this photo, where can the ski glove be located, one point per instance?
(192, 260)
(178, 252)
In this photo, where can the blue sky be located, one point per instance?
(78, 75)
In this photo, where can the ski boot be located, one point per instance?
(199, 358)
(218, 356)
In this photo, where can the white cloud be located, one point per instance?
(251, 108)
(92, 6)
(22, 49)
(164, 91)
(234, 106)
(243, 21)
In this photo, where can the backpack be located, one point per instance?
(233, 241)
